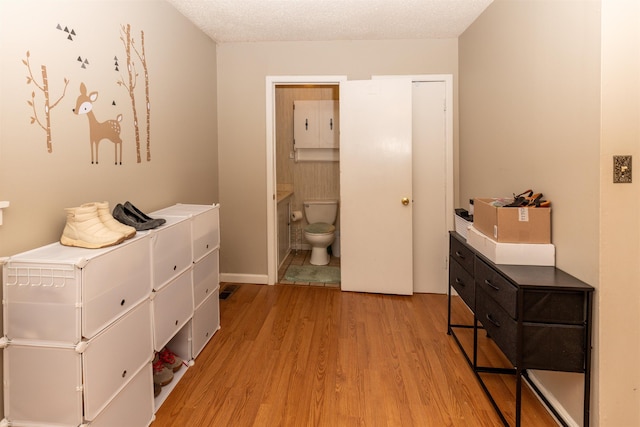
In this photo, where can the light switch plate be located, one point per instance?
(621, 169)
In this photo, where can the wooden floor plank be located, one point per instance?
(315, 356)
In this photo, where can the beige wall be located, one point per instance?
(182, 83)
(619, 290)
(531, 116)
(242, 70)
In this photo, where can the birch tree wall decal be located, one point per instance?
(143, 60)
(130, 85)
(47, 105)
(125, 36)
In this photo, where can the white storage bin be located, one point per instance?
(107, 371)
(206, 273)
(50, 385)
(206, 322)
(512, 253)
(133, 406)
(60, 294)
(172, 308)
(42, 385)
(462, 226)
(170, 250)
(205, 228)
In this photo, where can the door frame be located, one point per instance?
(270, 179)
(272, 203)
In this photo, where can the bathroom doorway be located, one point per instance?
(300, 177)
(304, 180)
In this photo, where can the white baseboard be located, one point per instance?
(553, 401)
(256, 279)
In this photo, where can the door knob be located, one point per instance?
(405, 201)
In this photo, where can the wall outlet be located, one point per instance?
(621, 169)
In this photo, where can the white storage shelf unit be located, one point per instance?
(204, 248)
(68, 313)
(81, 325)
(185, 295)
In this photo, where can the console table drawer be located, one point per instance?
(498, 324)
(555, 347)
(553, 307)
(462, 282)
(461, 254)
(497, 287)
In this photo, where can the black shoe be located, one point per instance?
(128, 217)
(141, 215)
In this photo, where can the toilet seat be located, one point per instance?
(320, 228)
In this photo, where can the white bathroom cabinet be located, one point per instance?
(81, 325)
(315, 124)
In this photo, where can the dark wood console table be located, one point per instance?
(539, 317)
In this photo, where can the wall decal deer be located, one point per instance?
(98, 130)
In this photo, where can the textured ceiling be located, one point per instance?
(304, 20)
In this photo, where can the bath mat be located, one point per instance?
(313, 273)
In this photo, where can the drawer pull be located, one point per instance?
(459, 282)
(122, 302)
(459, 255)
(492, 320)
(491, 285)
(124, 373)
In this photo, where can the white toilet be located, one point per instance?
(320, 233)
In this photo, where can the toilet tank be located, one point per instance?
(321, 211)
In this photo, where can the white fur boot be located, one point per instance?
(85, 230)
(104, 213)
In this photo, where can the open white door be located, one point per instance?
(375, 186)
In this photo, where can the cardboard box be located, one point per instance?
(512, 225)
(512, 253)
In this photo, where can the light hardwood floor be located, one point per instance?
(290, 355)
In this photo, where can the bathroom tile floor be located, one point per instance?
(302, 258)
